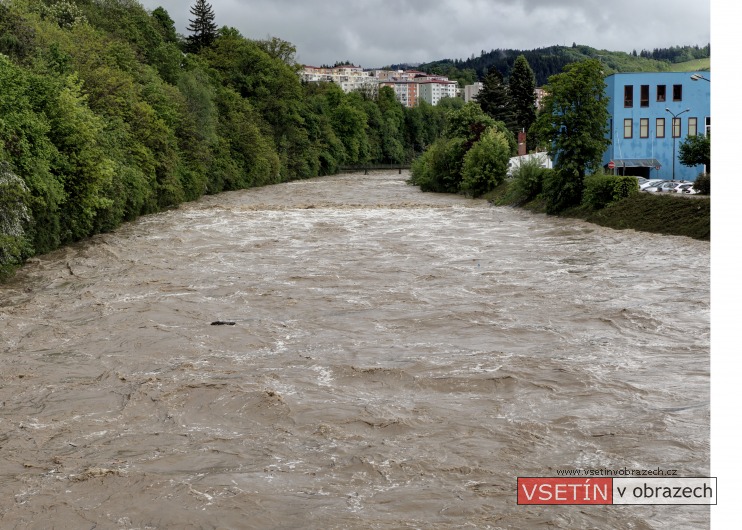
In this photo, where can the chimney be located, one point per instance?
(521, 143)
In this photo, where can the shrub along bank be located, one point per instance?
(646, 212)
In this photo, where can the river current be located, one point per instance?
(349, 352)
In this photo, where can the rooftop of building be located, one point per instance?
(704, 73)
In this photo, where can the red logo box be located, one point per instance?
(562, 490)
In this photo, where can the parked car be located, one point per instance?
(666, 187)
(684, 187)
(669, 186)
(687, 188)
(651, 185)
(641, 180)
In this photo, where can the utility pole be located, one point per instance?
(672, 132)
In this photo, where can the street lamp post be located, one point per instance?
(672, 132)
(697, 77)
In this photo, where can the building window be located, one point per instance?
(677, 92)
(692, 126)
(628, 96)
(644, 96)
(644, 128)
(708, 125)
(661, 89)
(676, 127)
(628, 128)
(660, 126)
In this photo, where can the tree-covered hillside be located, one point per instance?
(107, 114)
(549, 61)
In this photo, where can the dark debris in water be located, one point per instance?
(223, 323)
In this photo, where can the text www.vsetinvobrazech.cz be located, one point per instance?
(621, 472)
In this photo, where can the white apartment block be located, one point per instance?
(405, 91)
(540, 94)
(385, 75)
(435, 90)
(397, 75)
(471, 91)
(410, 86)
(349, 77)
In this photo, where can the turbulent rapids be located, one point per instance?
(386, 359)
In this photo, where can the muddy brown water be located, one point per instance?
(396, 360)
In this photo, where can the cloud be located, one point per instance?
(380, 32)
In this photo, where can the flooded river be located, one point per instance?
(348, 352)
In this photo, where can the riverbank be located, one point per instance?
(646, 212)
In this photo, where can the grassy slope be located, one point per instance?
(692, 66)
(662, 214)
(645, 212)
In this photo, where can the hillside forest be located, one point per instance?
(106, 113)
(551, 60)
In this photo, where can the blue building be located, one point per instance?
(651, 114)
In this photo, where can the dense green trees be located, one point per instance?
(514, 102)
(16, 34)
(695, 151)
(105, 115)
(14, 220)
(573, 125)
(438, 169)
(392, 126)
(27, 152)
(166, 25)
(472, 157)
(486, 163)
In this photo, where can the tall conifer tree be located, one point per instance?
(495, 100)
(522, 91)
(202, 27)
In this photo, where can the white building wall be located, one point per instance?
(516, 161)
(434, 91)
(471, 91)
(429, 88)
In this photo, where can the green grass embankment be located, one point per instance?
(695, 65)
(646, 212)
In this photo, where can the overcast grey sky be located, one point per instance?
(381, 32)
